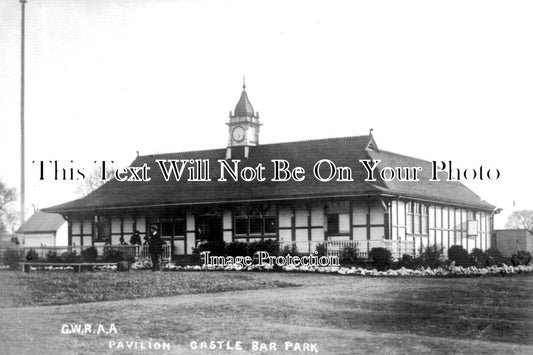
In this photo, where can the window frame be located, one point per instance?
(243, 222)
(101, 222)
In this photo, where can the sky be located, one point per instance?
(436, 80)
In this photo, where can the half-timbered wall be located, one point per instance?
(439, 225)
(81, 231)
(308, 223)
(84, 230)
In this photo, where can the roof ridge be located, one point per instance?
(182, 152)
(261, 145)
(403, 155)
(318, 139)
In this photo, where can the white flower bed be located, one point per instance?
(440, 271)
(69, 268)
(141, 264)
(106, 267)
(450, 271)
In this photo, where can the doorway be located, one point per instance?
(208, 228)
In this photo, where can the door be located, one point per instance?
(209, 228)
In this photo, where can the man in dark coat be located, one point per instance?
(136, 238)
(155, 248)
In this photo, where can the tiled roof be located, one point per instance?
(345, 151)
(41, 222)
(452, 192)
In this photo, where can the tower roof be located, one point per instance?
(244, 107)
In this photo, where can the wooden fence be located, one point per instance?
(363, 247)
(44, 253)
(140, 252)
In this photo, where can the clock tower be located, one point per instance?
(243, 127)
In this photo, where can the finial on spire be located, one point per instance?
(243, 82)
(371, 129)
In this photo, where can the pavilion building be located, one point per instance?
(400, 215)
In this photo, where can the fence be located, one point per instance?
(335, 247)
(330, 247)
(45, 253)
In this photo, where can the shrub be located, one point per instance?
(216, 248)
(407, 261)
(113, 255)
(12, 258)
(123, 266)
(291, 249)
(321, 249)
(70, 257)
(521, 258)
(380, 257)
(236, 249)
(89, 255)
(184, 260)
(478, 258)
(458, 254)
(52, 257)
(269, 246)
(432, 256)
(348, 255)
(494, 257)
(32, 255)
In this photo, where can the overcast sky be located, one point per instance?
(438, 80)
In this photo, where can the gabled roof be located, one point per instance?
(41, 222)
(344, 151)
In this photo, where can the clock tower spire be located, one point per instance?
(243, 126)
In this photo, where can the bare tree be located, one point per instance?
(522, 219)
(92, 181)
(8, 214)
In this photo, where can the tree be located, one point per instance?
(522, 219)
(8, 214)
(93, 181)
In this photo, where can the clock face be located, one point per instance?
(238, 134)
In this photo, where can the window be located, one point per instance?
(424, 220)
(333, 222)
(256, 224)
(270, 224)
(338, 217)
(417, 218)
(171, 227)
(257, 221)
(180, 227)
(241, 225)
(103, 228)
(167, 229)
(410, 217)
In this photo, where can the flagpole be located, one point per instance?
(22, 142)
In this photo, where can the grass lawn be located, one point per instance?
(58, 288)
(340, 314)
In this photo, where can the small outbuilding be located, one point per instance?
(510, 241)
(44, 229)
